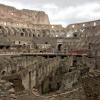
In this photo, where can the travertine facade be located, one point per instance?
(12, 16)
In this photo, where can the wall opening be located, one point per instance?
(33, 35)
(46, 42)
(0, 27)
(17, 82)
(22, 34)
(59, 47)
(23, 30)
(75, 35)
(1, 47)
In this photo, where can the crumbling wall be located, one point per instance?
(84, 29)
(84, 24)
(7, 91)
(9, 15)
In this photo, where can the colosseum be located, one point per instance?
(40, 61)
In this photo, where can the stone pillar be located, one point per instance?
(70, 60)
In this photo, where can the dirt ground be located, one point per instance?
(26, 97)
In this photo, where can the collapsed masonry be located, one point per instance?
(21, 18)
(48, 59)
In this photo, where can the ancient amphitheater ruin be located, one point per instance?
(40, 61)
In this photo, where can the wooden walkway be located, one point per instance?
(39, 54)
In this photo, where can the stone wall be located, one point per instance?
(9, 15)
(48, 72)
(84, 29)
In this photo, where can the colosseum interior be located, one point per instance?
(40, 61)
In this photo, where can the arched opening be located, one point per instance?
(3, 72)
(17, 83)
(43, 33)
(33, 35)
(13, 71)
(46, 42)
(38, 35)
(59, 47)
(1, 47)
(0, 27)
(23, 30)
(75, 35)
(90, 45)
(7, 47)
(22, 34)
(75, 63)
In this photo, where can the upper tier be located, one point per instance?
(12, 15)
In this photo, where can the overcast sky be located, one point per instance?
(61, 11)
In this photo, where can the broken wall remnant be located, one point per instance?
(10, 15)
(7, 90)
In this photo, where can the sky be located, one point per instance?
(63, 12)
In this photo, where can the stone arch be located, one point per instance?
(33, 35)
(23, 29)
(46, 42)
(0, 27)
(75, 34)
(3, 72)
(22, 34)
(43, 33)
(59, 47)
(17, 82)
(14, 31)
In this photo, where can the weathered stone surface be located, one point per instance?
(7, 91)
(48, 62)
(10, 15)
